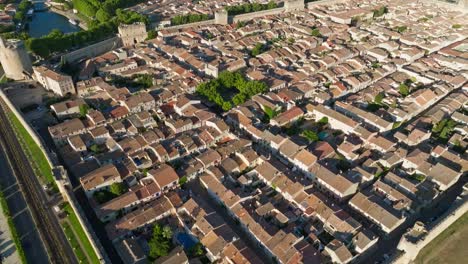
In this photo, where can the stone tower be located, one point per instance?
(133, 33)
(15, 59)
(294, 5)
(221, 16)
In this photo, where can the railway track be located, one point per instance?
(58, 248)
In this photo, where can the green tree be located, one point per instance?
(310, 135)
(183, 180)
(404, 90)
(167, 232)
(378, 98)
(323, 121)
(258, 49)
(102, 15)
(269, 112)
(401, 29)
(381, 11)
(117, 188)
(152, 34)
(103, 196)
(84, 110)
(160, 242)
(85, 7)
(226, 106)
(315, 32)
(94, 148)
(196, 250)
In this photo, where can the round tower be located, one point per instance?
(15, 59)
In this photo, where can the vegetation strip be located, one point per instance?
(34, 152)
(80, 255)
(79, 231)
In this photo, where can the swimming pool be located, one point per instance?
(186, 240)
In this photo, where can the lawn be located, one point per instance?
(449, 247)
(40, 162)
(80, 255)
(81, 233)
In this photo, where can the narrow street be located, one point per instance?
(201, 196)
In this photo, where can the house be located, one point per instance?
(165, 176)
(304, 160)
(142, 101)
(100, 179)
(369, 206)
(358, 114)
(443, 176)
(338, 252)
(128, 201)
(61, 131)
(288, 117)
(58, 83)
(176, 256)
(130, 251)
(334, 184)
(209, 158)
(335, 119)
(67, 109)
(364, 240)
(140, 218)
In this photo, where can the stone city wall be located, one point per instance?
(322, 2)
(249, 16)
(62, 188)
(93, 50)
(200, 23)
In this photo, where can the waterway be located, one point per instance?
(43, 22)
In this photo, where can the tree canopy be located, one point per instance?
(160, 242)
(189, 18)
(230, 89)
(118, 188)
(404, 90)
(270, 113)
(258, 49)
(249, 8)
(381, 11)
(310, 135)
(315, 32)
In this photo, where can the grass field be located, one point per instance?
(81, 234)
(33, 150)
(80, 255)
(450, 247)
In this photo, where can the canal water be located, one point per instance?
(45, 21)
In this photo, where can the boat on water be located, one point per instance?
(73, 22)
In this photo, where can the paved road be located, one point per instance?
(30, 239)
(54, 239)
